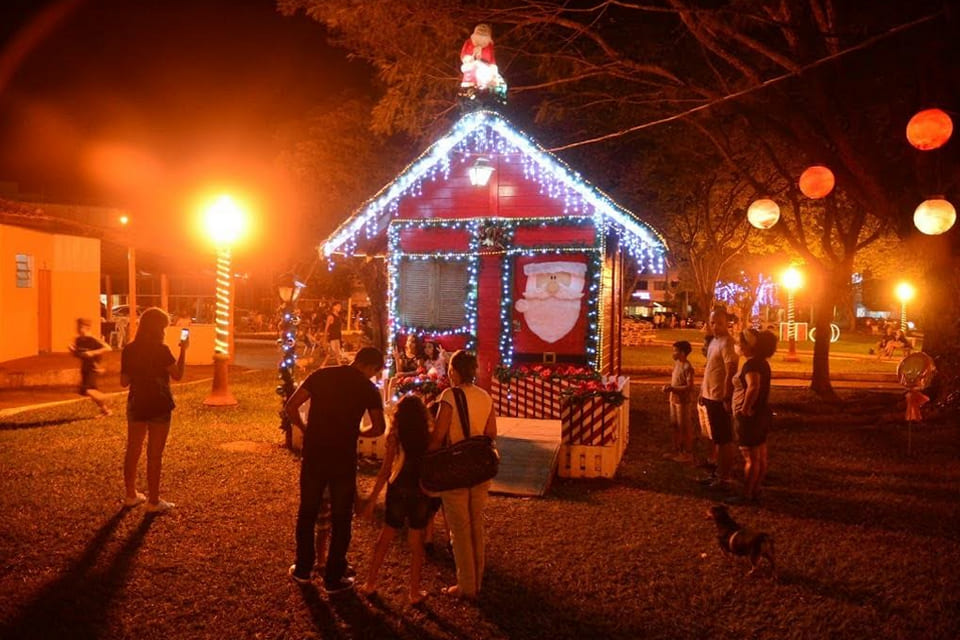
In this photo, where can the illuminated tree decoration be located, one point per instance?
(934, 216)
(929, 129)
(817, 182)
(763, 213)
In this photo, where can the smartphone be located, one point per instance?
(184, 334)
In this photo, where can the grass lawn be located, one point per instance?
(850, 354)
(867, 539)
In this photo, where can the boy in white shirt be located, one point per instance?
(680, 391)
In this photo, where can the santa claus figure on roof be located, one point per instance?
(478, 63)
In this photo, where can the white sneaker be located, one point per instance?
(160, 507)
(132, 502)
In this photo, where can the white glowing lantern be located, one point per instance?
(934, 216)
(480, 172)
(763, 213)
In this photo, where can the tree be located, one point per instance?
(337, 163)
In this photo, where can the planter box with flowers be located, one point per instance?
(592, 409)
(428, 385)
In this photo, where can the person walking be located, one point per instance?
(333, 332)
(716, 395)
(463, 508)
(146, 367)
(339, 396)
(89, 349)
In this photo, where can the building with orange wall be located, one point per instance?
(47, 281)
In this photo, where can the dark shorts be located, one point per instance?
(88, 380)
(752, 430)
(408, 504)
(721, 429)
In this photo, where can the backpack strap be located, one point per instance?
(461, 400)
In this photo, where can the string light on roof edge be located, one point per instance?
(484, 132)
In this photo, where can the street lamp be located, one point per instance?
(225, 223)
(792, 280)
(131, 330)
(289, 288)
(905, 292)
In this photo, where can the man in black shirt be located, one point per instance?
(338, 396)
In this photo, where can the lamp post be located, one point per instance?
(905, 292)
(792, 279)
(132, 282)
(289, 288)
(224, 222)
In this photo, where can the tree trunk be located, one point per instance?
(941, 330)
(373, 274)
(830, 283)
(705, 301)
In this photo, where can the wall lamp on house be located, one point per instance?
(480, 172)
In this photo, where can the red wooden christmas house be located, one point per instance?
(494, 244)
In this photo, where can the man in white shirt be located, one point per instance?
(716, 393)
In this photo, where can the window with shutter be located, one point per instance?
(432, 294)
(24, 271)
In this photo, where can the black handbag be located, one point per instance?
(464, 464)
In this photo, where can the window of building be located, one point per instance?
(642, 285)
(24, 271)
(432, 294)
(660, 285)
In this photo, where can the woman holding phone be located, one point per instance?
(146, 367)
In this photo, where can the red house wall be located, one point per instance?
(508, 195)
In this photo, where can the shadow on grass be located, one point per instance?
(77, 604)
(843, 592)
(546, 617)
(346, 615)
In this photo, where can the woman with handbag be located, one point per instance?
(463, 508)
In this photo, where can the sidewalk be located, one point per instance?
(54, 378)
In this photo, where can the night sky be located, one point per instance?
(145, 104)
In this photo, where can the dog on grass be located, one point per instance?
(740, 541)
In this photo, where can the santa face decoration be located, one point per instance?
(552, 298)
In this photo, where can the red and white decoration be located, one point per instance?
(551, 303)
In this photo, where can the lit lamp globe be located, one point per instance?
(763, 213)
(817, 182)
(905, 292)
(792, 279)
(934, 216)
(929, 129)
(225, 221)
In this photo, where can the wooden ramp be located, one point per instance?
(528, 456)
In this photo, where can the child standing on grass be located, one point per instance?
(680, 391)
(752, 416)
(406, 445)
(89, 348)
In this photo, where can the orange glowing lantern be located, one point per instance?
(817, 182)
(929, 129)
(763, 213)
(934, 216)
